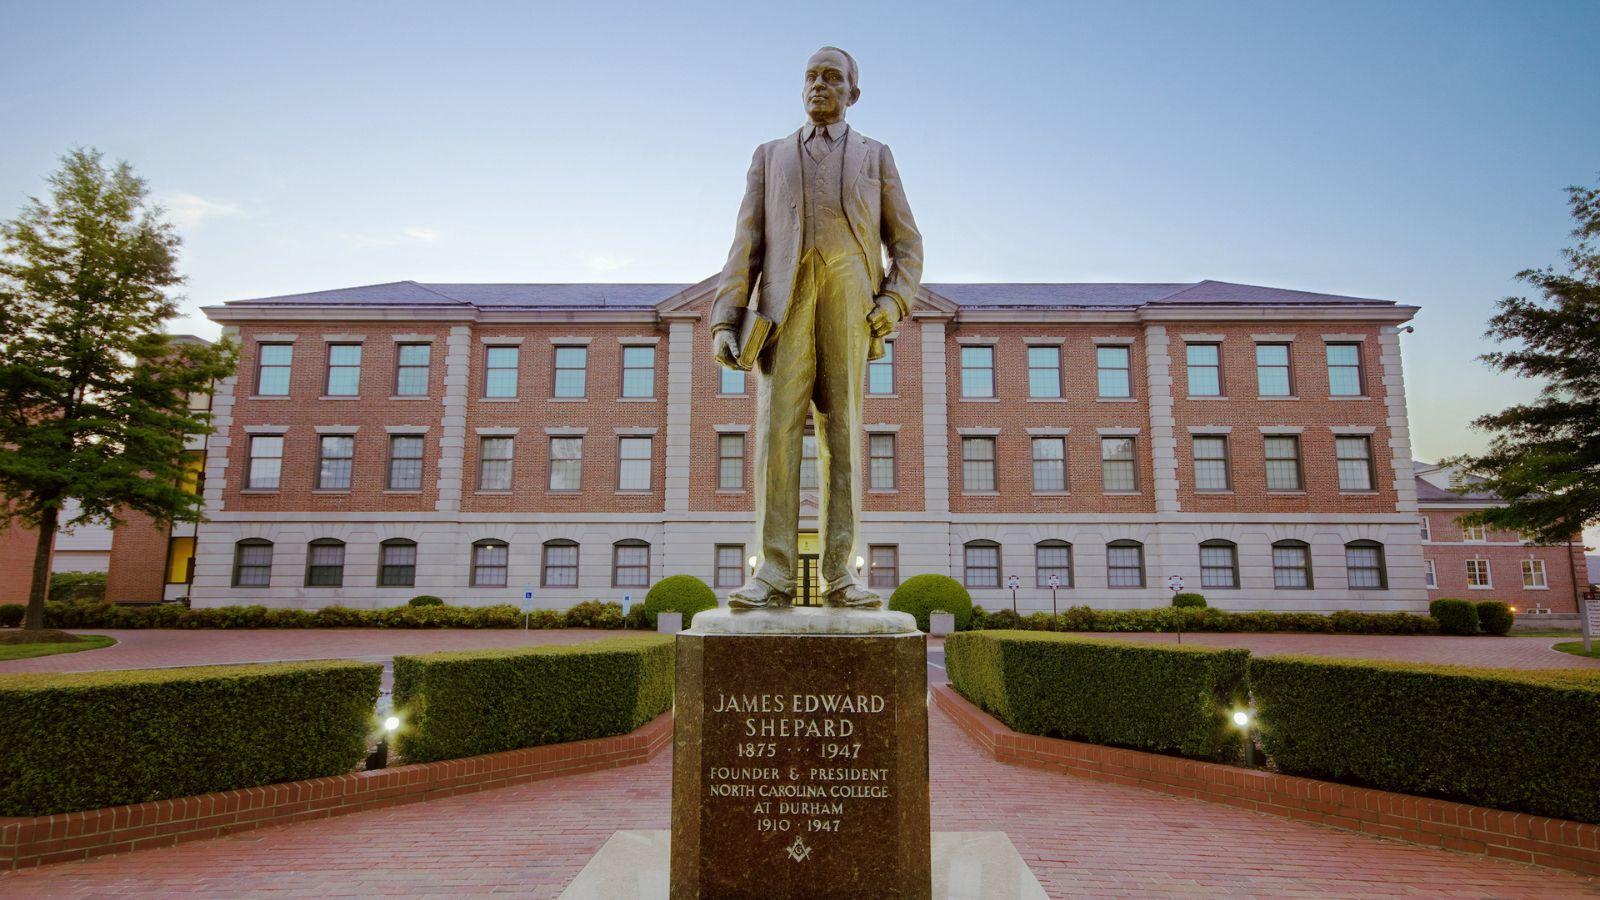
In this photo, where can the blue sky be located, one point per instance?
(1412, 151)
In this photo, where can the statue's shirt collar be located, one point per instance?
(834, 131)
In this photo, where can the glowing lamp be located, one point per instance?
(391, 724)
(1241, 718)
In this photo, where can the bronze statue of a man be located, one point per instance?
(820, 208)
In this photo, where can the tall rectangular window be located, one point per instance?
(1426, 529)
(572, 369)
(1112, 371)
(566, 463)
(1478, 574)
(880, 372)
(1211, 463)
(880, 461)
(1272, 370)
(1533, 576)
(397, 563)
(411, 369)
(808, 461)
(729, 565)
(266, 462)
(1044, 372)
(1049, 463)
(630, 564)
(560, 564)
(1125, 564)
(491, 562)
(977, 464)
(1364, 568)
(1354, 455)
(180, 560)
(883, 566)
(633, 464)
(730, 462)
(639, 371)
(1219, 565)
(1430, 575)
(252, 563)
(1475, 533)
(1052, 558)
(1291, 565)
(325, 563)
(272, 371)
(344, 370)
(1205, 369)
(977, 372)
(335, 460)
(500, 371)
(981, 565)
(405, 462)
(732, 381)
(494, 464)
(1344, 370)
(1283, 462)
(1118, 464)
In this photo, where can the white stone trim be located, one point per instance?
(344, 338)
(500, 340)
(1050, 432)
(1044, 340)
(1272, 338)
(285, 337)
(453, 421)
(570, 340)
(264, 429)
(1353, 429)
(217, 444)
(1345, 338)
(935, 420)
(1202, 338)
(631, 340)
(337, 429)
(406, 429)
(496, 432)
(635, 431)
(965, 339)
(413, 338)
(1114, 340)
(1163, 446)
(1210, 429)
(880, 428)
(1391, 365)
(680, 404)
(1282, 429)
(978, 432)
(733, 428)
(566, 431)
(1117, 432)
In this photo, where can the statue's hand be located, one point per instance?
(725, 347)
(883, 317)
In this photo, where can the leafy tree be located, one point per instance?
(1544, 456)
(94, 398)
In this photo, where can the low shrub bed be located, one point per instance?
(1167, 699)
(589, 614)
(1508, 739)
(466, 703)
(1084, 618)
(88, 740)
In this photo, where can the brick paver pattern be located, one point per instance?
(1079, 837)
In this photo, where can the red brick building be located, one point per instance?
(1481, 563)
(477, 440)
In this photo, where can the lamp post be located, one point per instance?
(1175, 584)
(1244, 720)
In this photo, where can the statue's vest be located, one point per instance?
(827, 229)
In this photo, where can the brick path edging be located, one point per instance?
(27, 842)
(1522, 837)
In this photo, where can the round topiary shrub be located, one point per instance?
(923, 594)
(1455, 616)
(425, 600)
(12, 614)
(680, 594)
(1189, 601)
(1495, 617)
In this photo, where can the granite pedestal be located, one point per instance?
(800, 756)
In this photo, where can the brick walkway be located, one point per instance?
(1079, 837)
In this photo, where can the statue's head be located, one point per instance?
(830, 86)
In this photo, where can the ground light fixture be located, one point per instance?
(1244, 720)
(379, 757)
(1241, 718)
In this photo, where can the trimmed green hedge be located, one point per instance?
(1084, 618)
(1158, 697)
(680, 594)
(1189, 600)
(589, 614)
(77, 586)
(88, 740)
(12, 614)
(920, 595)
(1495, 617)
(483, 701)
(1454, 616)
(1502, 738)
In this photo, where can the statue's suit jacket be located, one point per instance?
(765, 256)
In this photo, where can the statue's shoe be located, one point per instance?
(757, 594)
(852, 596)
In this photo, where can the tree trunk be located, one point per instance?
(43, 550)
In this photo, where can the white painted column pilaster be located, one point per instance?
(680, 390)
(213, 552)
(935, 420)
(1169, 557)
(453, 424)
(1403, 557)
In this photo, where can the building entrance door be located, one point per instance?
(806, 590)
